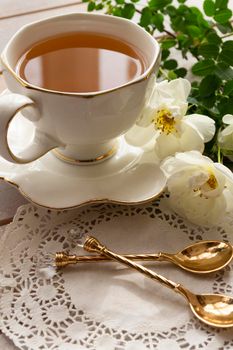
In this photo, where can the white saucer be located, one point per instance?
(131, 176)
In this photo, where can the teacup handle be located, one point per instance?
(10, 105)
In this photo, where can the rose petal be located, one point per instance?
(139, 136)
(199, 210)
(224, 170)
(203, 124)
(194, 158)
(225, 138)
(167, 145)
(191, 139)
(228, 130)
(172, 165)
(198, 178)
(182, 161)
(146, 117)
(228, 194)
(179, 89)
(228, 119)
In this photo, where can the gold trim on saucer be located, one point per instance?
(82, 204)
(70, 160)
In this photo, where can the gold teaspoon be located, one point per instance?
(213, 309)
(201, 257)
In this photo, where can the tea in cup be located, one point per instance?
(81, 79)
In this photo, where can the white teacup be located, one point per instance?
(81, 127)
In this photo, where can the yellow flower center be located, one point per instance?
(164, 121)
(212, 182)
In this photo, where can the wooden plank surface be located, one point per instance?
(10, 25)
(16, 7)
(6, 344)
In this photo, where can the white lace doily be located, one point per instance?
(105, 306)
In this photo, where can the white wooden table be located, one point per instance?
(13, 15)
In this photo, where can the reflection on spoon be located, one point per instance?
(213, 309)
(201, 257)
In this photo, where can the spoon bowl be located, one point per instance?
(204, 256)
(214, 309)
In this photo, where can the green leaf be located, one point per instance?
(181, 72)
(197, 17)
(157, 20)
(226, 54)
(209, 101)
(170, 64)
(128, 11)
(171, 11)
(159, 4)
(204, 67)
(223, 71)
(213, 38)
(228, 45)
(202, 22)
(165, 54)
(222, 16)
(117, 11)
(183, 10)
(194, 31)
(225, 28)
(221, 4)
(171, 75)
(209, 50)
(228, 88)
(91, 6)
(146, 16)
(209, 85)
(209, 8)
(226, 107)
(120, 2)
(168, 43)
(178, 23)
(181, 1)
(100, 6)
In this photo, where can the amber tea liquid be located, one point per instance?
(80, 62)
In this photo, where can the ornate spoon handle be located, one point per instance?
(93, 245)
(62, 259)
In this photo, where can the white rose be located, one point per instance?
(225, 137)
(164, 121)
(200, 190)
